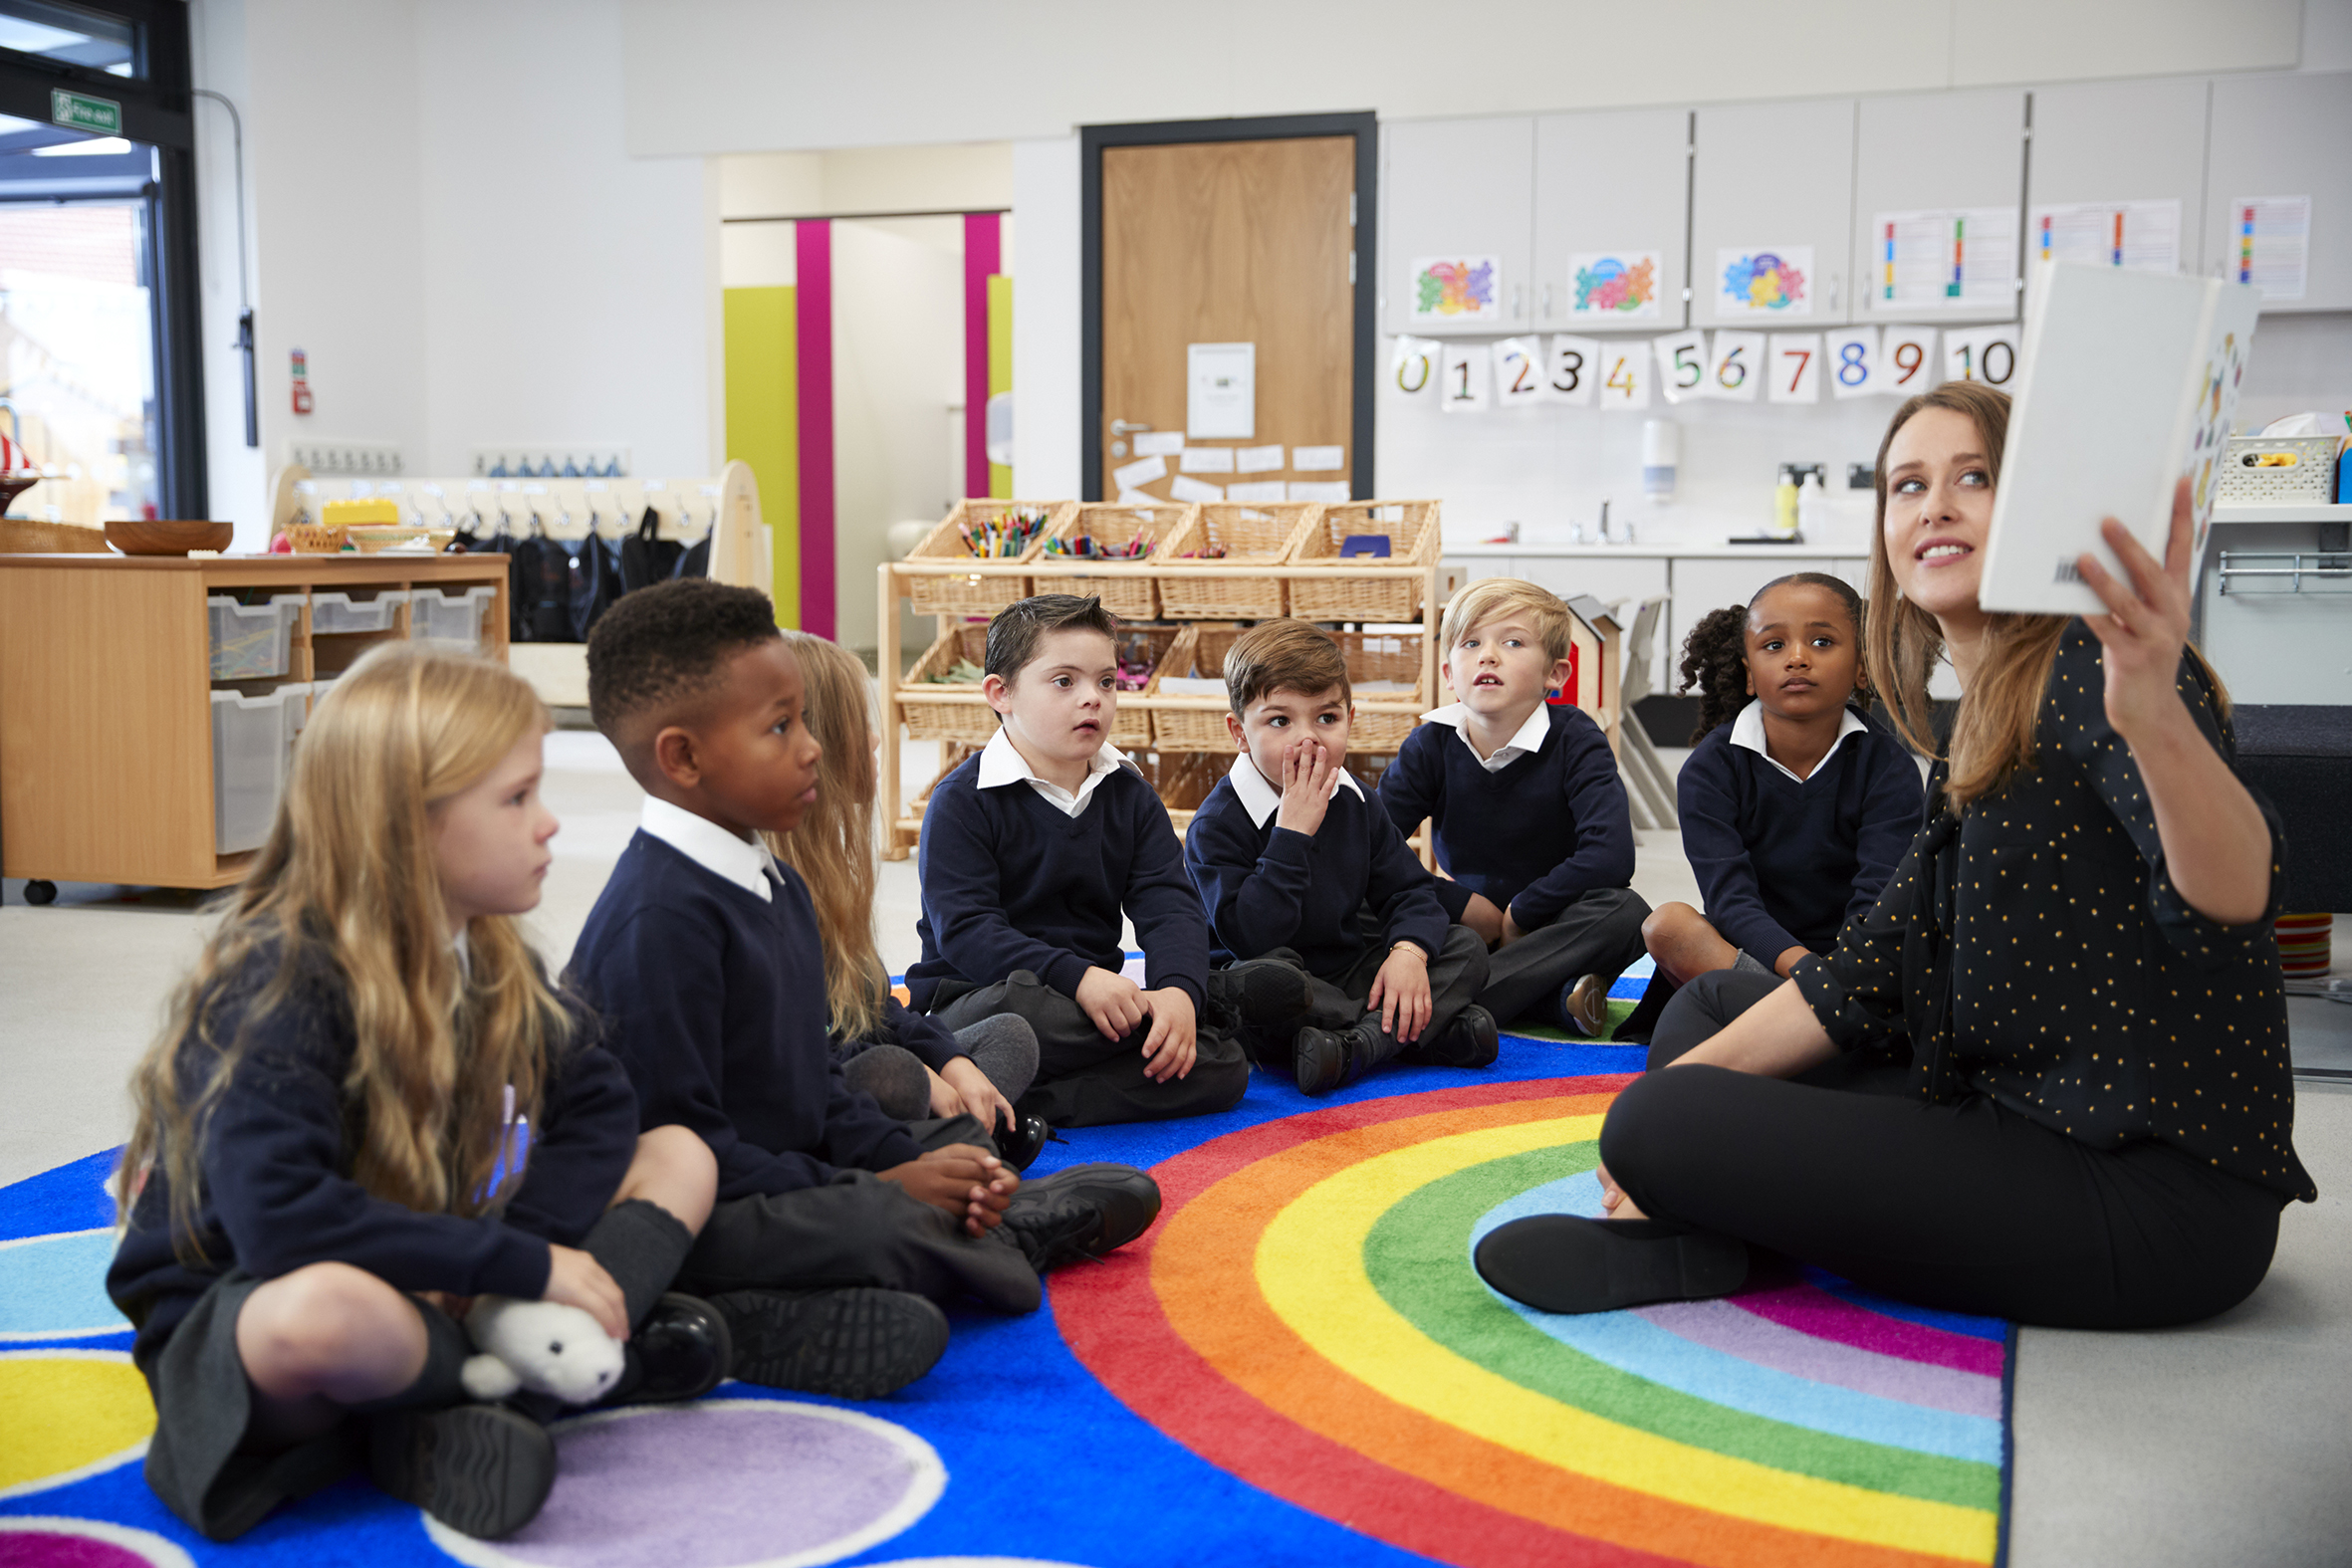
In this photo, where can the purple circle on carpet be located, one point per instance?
(720, 1484)
(54, 1542)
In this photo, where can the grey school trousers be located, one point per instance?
(1336, 1001)
(858, 1229)
(1085, 1080)
(1599, 933)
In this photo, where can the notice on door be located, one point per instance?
(1221, 392)
(1946, 258)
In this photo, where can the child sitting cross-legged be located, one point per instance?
(1529, 819)
(331, 1156)
(1030, 854)
(837, 1226)
(909, 1062)
(1297, 868)
(1796, 806)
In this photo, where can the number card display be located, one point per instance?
(1907, 361)
(1738, 368)
(1518, 372)
(1573, 370)
(1624, 375)
(1682, 364)
(1984, 353)
(1850, 362)
(1463, 372)
(1413, 365)
(1796, 368)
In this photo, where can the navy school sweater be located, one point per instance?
(1784, 864)
(1010, 882)
(277, 1149)
(714, 1000)
(1533, 838)
(1271, 887)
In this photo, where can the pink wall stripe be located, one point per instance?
(813, 314)
(981, 259)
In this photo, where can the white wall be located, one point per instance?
(1047, 444)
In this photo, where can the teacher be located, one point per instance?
(2071, 974)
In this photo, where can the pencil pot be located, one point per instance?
(1205, 561)
(1121, 539)
(1411, 531)
(970, 528)
(1384, 670)
(941, 697)
(1141, 649)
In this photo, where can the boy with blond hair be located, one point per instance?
(1295, 865)
(1527, 811)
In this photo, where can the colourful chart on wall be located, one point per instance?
(2139, 236)
(1948, 258)
(1457, 289)
(1619, 284)
(1764, 281)
(2273, 249)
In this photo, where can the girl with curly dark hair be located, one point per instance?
(1796, 805)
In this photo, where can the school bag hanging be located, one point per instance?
(645, 556)
(542, 577)
(502, 543)
(595, 580)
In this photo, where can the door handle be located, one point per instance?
(1121, 427)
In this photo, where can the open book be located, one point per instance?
(2128, 380)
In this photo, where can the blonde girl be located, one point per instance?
(330, 1155)
(910, 1063)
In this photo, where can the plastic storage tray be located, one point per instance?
(249, 641)
(438, 616)
(251, 741)
(336, 613)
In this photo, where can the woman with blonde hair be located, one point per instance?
(911, 1065)
(369, 1106)
(2074, 961)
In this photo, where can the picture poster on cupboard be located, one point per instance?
(2274, 244)
(1726, 366)
(1614, 285)
(1765, 280)
(2138, 236)
(1455, 289)
(1946, 258)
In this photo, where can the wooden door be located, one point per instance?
(1228, 242)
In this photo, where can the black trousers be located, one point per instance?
(860, 1230)
(1085, 1080)
(1969, 1207)
(1337, 1000)
(1599, 933)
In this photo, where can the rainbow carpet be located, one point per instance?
(1296, 1366)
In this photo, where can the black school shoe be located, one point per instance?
(1563, 1263)
(1471, 1040)
(681, 1351)
(1264, 1000)
(482, 1469)
(1081, 1211)
(1019, 1144)
(1326, 1059)
(1585, 1005)
(854, 1343)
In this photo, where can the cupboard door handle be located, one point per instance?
(1548, 302)
(1835, 279)
(1517, 295)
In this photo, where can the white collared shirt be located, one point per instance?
(745, 863)
(1747, 730)
(1000, 763)
(1262, 799)
(1527, 741)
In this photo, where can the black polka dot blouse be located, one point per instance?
(2035, 951)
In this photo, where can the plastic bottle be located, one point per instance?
(1784, 504)
(1812, 506)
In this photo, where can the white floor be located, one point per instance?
(2229, 1442)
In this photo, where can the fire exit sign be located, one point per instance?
(75, 112)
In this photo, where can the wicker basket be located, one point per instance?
(316, 539)
(1383, 718)
(971, 720)
(1126, 591)
(1130, 728)
(1252, 535)
(976, 595)
(1199, 652)
(1412, 530)
(1182, 781)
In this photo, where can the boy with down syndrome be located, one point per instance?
(1031, 851)
(836, 1228)
(1296, 867)
(1527, 811)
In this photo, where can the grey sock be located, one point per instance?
(895, 1077)
(1749, 964)
(640, 1245)
(1005, 1049)
(445, 1350)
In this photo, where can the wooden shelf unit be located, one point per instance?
(1049, 574)
(106, 729)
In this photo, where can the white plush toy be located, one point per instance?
(544, 1346)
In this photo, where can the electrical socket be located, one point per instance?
(533, 460)
(354, 458)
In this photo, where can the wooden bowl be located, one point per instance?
(154, 537)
